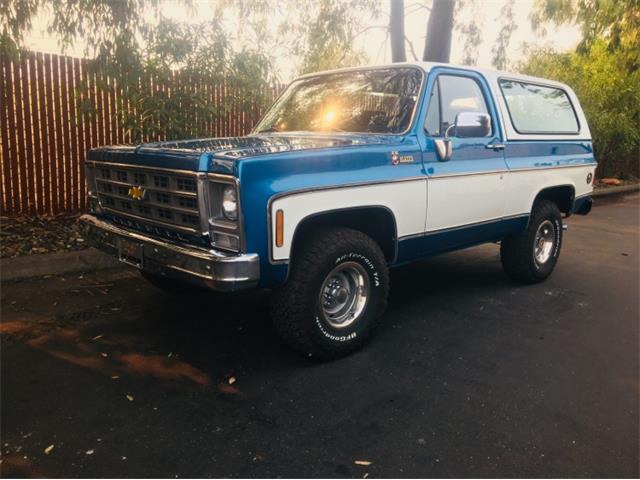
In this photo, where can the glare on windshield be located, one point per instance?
(359, 101)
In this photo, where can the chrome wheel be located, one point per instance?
(544, 242)
(344, 294)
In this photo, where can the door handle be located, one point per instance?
(495, 146)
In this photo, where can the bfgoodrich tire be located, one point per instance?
(336, 291)
(531, 256)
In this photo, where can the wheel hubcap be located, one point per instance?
(544, 242)
(344, 294)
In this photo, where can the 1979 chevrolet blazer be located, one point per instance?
(349, 173)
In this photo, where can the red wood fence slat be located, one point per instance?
(44, 136)
(45, 131)
(7, 189)
(39, 177)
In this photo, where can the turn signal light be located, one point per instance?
(279, 228)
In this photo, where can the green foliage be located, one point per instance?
(616, 22)
(609, 93)
(160, 67)
(162, 85)
(324, 33)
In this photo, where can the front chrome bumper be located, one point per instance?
(211, 269)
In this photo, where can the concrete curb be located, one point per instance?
(55, 264)
(611, 191)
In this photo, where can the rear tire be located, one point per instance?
(531, 256)
(336, 291)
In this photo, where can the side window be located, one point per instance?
(539, 109)
(459, 94)
(451, 95)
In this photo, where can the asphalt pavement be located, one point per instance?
(469, 375)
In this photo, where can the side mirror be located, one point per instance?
(472, 124)
(466, 124)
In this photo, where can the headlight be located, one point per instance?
(224, 213)
(230, 203)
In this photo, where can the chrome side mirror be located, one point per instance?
(472, 124)
(466, 124)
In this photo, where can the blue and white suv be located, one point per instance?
(351, 172)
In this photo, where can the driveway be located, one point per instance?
(469, 375)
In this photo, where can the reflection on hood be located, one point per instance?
(238, 147)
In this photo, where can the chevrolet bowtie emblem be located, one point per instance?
(136, 192)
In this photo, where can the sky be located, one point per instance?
(374, 41)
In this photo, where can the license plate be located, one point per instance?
(130, 252)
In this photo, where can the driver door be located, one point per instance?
(466, 194)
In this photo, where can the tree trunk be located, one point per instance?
(396, 31)
(437, 46)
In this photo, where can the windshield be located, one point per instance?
(361, 101)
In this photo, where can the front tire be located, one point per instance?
(531, 256)
(336, 291)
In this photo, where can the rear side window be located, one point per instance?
(539, 109)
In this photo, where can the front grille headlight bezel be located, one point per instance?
(224, 228)
(93, 201)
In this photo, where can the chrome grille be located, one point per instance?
(170, 197)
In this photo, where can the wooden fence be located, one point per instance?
(44, 136)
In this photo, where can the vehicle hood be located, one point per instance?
(220, 154)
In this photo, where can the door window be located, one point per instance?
(451, 95)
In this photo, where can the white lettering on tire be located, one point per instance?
(335, 338)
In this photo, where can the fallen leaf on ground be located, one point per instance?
(98, 336)
(232, 380)
(48, 449)
(104, 354)
(89, 452)
(228, 389)
(130, 398)
(364, 463)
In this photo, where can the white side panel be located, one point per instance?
(406, 200)
(461, 200)
(523, 186)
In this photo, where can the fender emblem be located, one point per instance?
(396, 158)
(136, 192)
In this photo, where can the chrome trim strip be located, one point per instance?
(537, 169)
(473, 174)
(97, 163)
